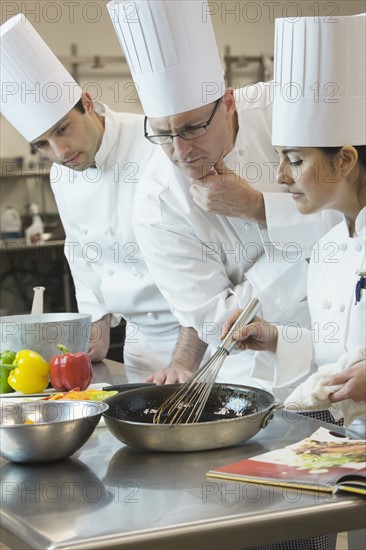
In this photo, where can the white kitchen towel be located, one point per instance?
(313, 394)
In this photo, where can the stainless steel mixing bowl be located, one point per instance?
(42, 332)
(58, 428)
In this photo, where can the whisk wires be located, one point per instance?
(186, 404)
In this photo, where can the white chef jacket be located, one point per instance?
(338, 323)
(108, 270)
(207, 265)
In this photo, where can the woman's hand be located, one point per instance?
(258, 335)
(353, 380)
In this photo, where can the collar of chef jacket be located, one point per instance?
(360, 225)
(109, 136)
(256, 161)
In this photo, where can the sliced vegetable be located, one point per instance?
(30, 374)
(77, 395)
(70, 370)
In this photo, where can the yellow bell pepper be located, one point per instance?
(30, 374)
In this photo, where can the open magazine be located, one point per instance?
(324, 461)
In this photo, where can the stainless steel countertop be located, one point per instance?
(110, 496)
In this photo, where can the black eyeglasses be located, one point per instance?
(190, 133)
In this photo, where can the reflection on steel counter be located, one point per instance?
(60, 483)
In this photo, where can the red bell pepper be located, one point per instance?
(70, 370)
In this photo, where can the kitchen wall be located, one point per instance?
(246, 27)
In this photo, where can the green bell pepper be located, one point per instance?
(6, 359)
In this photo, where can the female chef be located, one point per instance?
(337, 309)
(321, 145)
(319, 132)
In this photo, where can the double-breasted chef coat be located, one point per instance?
(208, 265)
(338, 321)
(108, 270)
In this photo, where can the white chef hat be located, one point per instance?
(36, 89)
(171, 50)
(320, 80)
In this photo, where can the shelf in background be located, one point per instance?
(16, 168)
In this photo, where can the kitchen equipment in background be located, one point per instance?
(56, 430)
(187, 404)
(233, 414)
(34, 233)
(42, 333)
(37, 305)
(11, 223)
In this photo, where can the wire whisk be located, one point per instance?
(186, 404)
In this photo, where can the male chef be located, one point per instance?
(98, 156)
(207, 264)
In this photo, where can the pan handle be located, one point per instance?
(127, 387)
(268, 417)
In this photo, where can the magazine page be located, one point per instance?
(317, 462)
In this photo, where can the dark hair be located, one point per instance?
(331, 152)
(79, 106)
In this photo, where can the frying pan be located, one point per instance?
(233, 414)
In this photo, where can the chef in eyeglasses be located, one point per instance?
(207, 265)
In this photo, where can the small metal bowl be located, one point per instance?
(57, 429)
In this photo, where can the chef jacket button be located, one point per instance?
(241, 152)
(247, 227)
(358, 247)
(110, 272)
(326, 304)
(136, 273)
(84, 230)
(343, 247)
(342, 307)
(150, 315)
